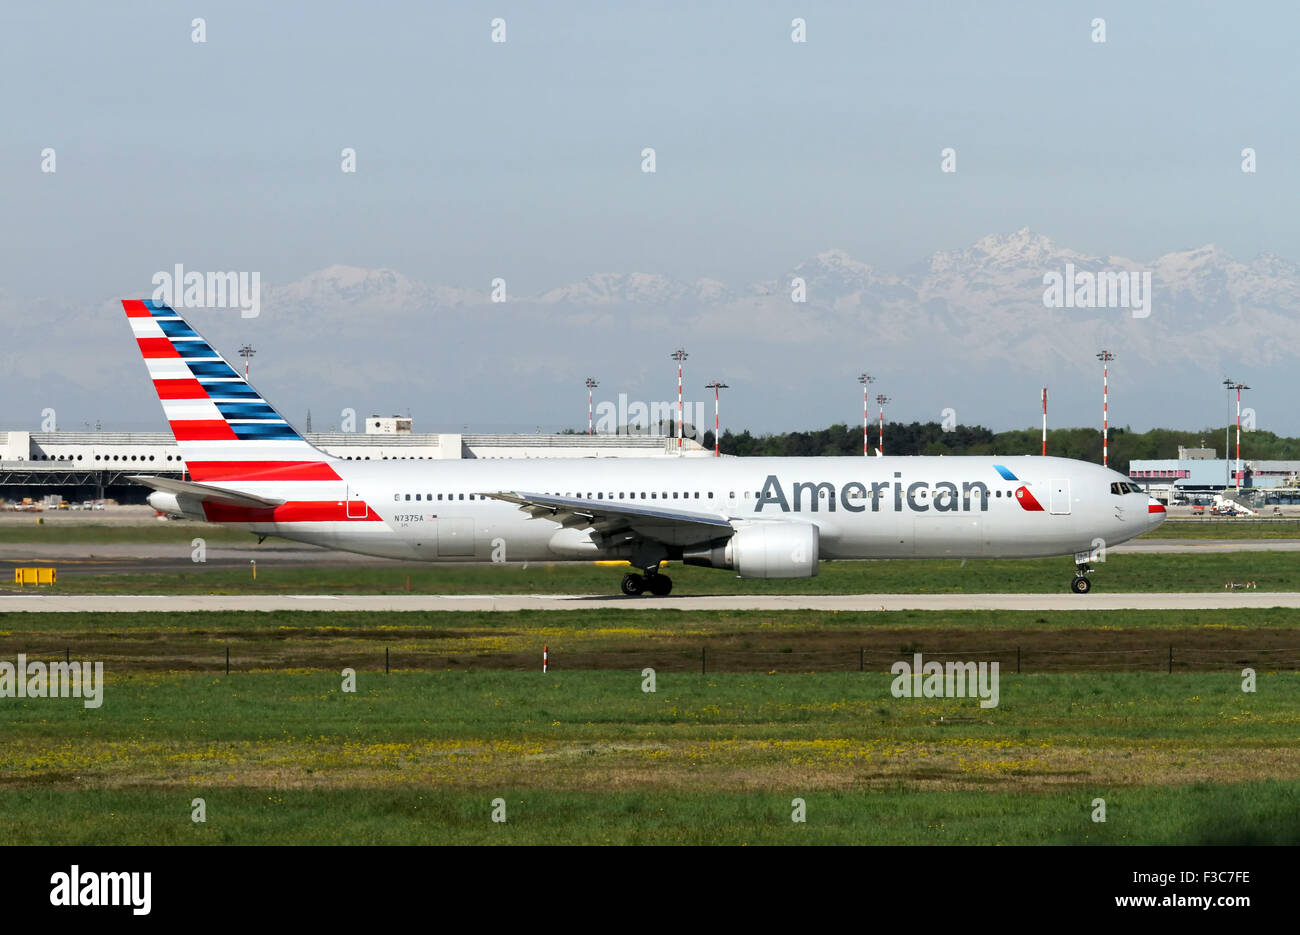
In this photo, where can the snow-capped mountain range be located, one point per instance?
(965, 329)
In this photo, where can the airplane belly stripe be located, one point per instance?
(295, 511)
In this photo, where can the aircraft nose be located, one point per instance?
(1155, 512)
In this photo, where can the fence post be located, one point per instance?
(385, 660)
(1171, 658)
(227, 659)
(1017, 660)
(704, 660)
(861, 656)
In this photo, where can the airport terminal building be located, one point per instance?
(1200, 469)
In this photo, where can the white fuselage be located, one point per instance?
(883, 507)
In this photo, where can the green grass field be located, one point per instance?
(91, 533)
(280, 754)
(1226, 529)
(608, 638)
(588, 757)
(1271, 571)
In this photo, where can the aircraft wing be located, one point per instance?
(206, 492)
(662, 524)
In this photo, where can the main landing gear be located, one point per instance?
(660, 585)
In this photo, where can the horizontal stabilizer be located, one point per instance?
(206, 492)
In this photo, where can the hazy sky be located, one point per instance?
(523, 159)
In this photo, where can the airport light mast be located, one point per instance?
(715, 386)
(591, 385)
(1105, 357)
(679, 355)
(1238, 387)
(1227, 382)
(246, 352)
(866, 380)
(1044, 422)
(883, 401)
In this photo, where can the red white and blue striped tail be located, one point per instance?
(226, 431)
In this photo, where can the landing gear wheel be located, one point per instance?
(660, 585)
(1081, 585)
(632, 584)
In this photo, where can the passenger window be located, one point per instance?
(408, 496)
(462, 496)
(417, 496)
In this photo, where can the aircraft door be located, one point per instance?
(1060, 498)
(455, 536)
(356, 505)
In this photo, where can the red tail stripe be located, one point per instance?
(183, 388)
(157, 347)
(135, 308)
(296, 511)
(203, 430)
(261, 470)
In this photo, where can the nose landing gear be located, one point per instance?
(1081, 584)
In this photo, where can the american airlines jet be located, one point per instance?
(759, 517)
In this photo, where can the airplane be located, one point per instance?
(248, 468)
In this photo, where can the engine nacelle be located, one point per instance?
(177, 504)
(763, 550)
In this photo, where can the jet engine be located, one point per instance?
(762, 550)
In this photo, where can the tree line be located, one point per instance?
(930, 438)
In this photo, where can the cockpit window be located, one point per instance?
(1120, 487)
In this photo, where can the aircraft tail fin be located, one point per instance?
(225, 429)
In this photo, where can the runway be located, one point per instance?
(132, 558)
(427, 603)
